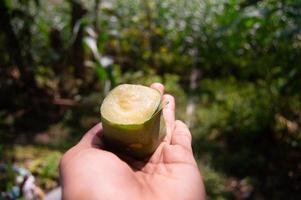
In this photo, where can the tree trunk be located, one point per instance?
(77, 50)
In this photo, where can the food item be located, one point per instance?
(132, 120)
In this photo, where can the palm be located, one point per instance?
(170, 173)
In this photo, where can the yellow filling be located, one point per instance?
(130, 104)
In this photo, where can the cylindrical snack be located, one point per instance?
(132, 120)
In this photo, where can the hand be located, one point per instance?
(89, 172)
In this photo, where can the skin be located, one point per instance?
(88, 171)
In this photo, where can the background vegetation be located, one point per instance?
(233, 65)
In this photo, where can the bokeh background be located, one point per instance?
(234, 67)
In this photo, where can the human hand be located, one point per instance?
(89, 172)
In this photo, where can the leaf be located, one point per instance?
(90, 31)
(91, 43)
(101, 72)
(102, 39)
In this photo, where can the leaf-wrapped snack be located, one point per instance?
(132, 119)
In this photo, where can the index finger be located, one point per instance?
(169, 116)
(158, 86)
(168, 111)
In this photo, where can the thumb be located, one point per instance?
(92, 138)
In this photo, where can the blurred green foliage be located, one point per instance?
(235, 63)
